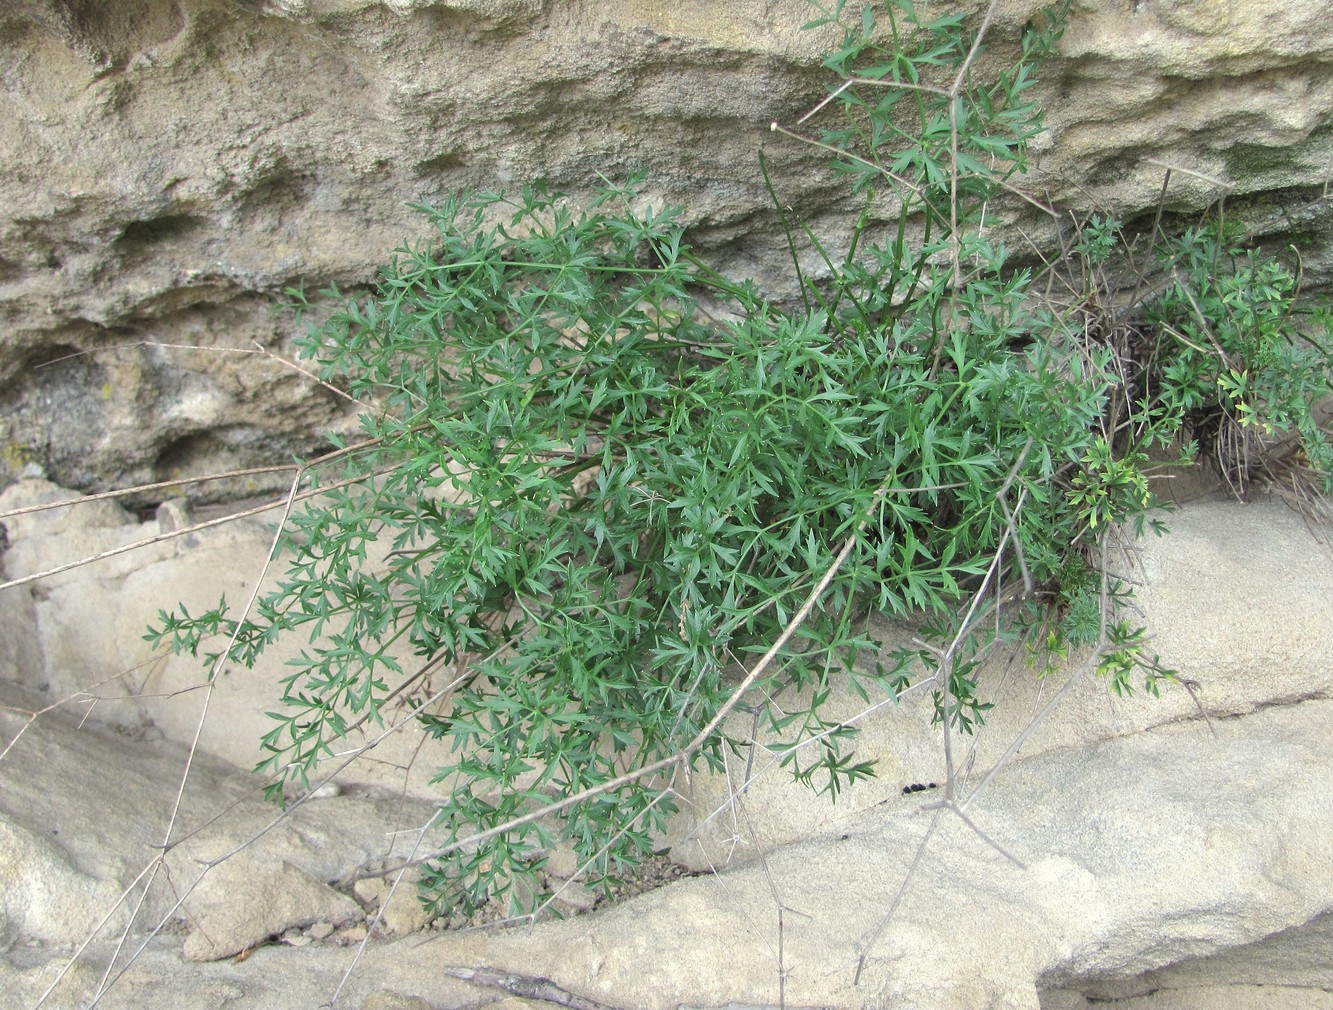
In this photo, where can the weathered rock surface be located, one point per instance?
(1235, 598)
(1139, 850)
(84, 630)
(86, 811)
(85, 627)
(1168, 861)
(169, 165)
(241, 906)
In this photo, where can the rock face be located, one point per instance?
(168, 166)
(1160, 858)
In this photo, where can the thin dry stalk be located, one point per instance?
(281, 503)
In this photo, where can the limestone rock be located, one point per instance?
(1290, 969)
(1234, 597)
(1138, 851)
(44, 895)
(85, 643)
(81, 616)
(242, 909)
(1142, 851)
(84, 812)
(171, 165)
(1165, 860)
(19, 650)
(385, 999)
(400, 913)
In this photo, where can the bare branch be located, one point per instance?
(526, 987)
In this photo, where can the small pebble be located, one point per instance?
(321, 930)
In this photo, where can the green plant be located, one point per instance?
(1235, 369)
(584, 506)
(930, 146)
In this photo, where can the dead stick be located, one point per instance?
(527, 988)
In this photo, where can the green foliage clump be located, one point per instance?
(599, 479)
(1237, 371)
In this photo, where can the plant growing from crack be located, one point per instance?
(603, 486)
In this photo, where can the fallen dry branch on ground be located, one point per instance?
(526, 987)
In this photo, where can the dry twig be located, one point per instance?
(526, 987)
